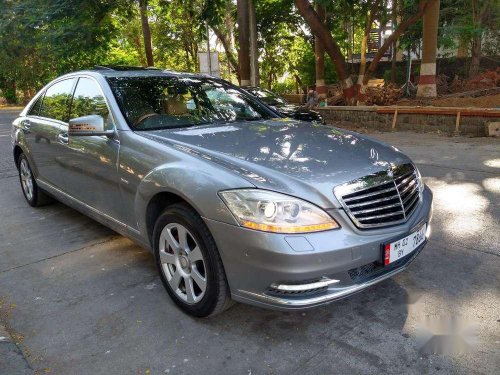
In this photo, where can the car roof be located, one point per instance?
(256, 88)
(134, 71)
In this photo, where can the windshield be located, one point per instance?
(161, 102)
(268, 97)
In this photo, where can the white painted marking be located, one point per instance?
(428, 69)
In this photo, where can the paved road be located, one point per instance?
(79, 299)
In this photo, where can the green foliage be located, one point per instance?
(302, 63)
(41, 39)
(285, 87)
(400, 76)
(178, 31)
(277, 27)
(9, 93)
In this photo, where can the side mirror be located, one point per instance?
(88, 126)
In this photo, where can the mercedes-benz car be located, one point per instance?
(234, 202)
(283, 107)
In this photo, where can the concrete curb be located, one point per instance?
(13, 108)
(446, 120)
(12, 360)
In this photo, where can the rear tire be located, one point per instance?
(189, 263)
(35, 196)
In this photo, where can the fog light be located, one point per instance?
(428, 231)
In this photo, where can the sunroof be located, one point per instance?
(123, 67)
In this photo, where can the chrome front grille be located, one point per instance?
(383, 199)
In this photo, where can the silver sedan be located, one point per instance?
(235, 202)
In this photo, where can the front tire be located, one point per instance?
(35, 196)
(189, 263)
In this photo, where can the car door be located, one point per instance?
(90, 162)
(42, 128)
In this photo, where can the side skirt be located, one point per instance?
(95, 214)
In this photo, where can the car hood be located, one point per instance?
(298, 158)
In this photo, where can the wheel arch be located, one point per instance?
(17, 151)
(156, 205)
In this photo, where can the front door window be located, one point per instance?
(88, 100)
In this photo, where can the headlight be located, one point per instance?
(273, 212)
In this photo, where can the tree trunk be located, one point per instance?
(422, 8)
(319, 52)
(254, 51)
(475, 57)
(395, 43)
(244, 42)
(427, 82)
(320, 30)
(478, 17)
(138, 47)
(146, 31)
(227, 48)
(361, 86)
(299, 83)
(332, 48)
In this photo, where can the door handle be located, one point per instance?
(26, 126)
(63, 138)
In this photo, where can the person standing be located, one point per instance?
(312, 99)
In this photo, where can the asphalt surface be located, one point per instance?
(76, 298)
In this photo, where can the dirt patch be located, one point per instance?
(481, 91)
(484, 80)
(492, 101)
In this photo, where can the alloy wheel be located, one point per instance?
(182, 263)
(26, 179)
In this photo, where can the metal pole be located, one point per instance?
(408, 86)
(254, 52)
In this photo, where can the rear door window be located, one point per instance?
(35, 108)
(56, 101)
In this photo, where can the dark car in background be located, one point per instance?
(283, 107)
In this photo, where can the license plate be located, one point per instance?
(398, 249)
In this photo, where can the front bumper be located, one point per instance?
(256, 261)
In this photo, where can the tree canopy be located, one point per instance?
(41, 39)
